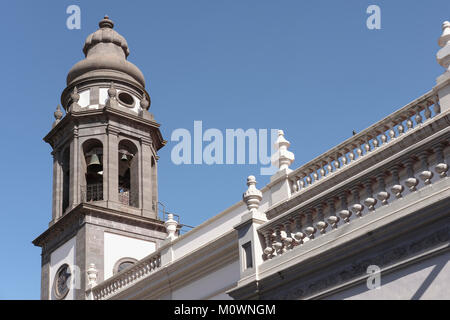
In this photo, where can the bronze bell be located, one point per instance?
(94, 164)
(124, 157)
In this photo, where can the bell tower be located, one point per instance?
(105, 193)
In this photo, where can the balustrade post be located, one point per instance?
(321, 224)
(441, 167)
(396, 188)
(310, 230)
(410, 182)
(268, 249)
(332, 218)
(382, 194)
(425, 174)
(277, 244)
(357, 207)
(344, 213)
(299, 235)
(288, 238)
(370, 201)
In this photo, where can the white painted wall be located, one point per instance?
(62, 255)
(117, 247)
(215, 227)
(425, 280)
(102, 95)
(85, 97)
(210, 286)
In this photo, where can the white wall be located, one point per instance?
(429, 279)
(210, 286)
(62, 255)
(118, 247)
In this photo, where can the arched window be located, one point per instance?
(66, 178)
(123, 264)
(128, 174)
(93, 169)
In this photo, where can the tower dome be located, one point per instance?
(106, 53)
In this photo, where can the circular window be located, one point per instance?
(126, 99)
(61, 282)
(123, 264)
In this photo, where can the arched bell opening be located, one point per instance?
(93, 170)
(128, 174)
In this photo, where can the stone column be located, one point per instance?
(146, 191)
(111, 166)
(57, 186)
(74, 164)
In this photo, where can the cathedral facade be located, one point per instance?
(368, 219)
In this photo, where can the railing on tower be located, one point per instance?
(92, 192)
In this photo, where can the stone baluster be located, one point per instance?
(336, 163)
(359, 151)
(375, 142)
(400, 128)
(321, 224)
(427, 112)
(351, 155)
(441, 167)
(301, 182)
(410, 182)
(298, 235)
(383, 138)
(367, 146)
(382, 194)
(409, 124)
(322, 171)
(329, 166)
(287, 240)
(315, 175)
(344, 159)
(370, 201)
(418, 117)
(308, 180)
(309, 230)
(268, 251)
(392, 131)
(277, 244)
(356, 207)
(396, 188)
(437, 106)
(425, 174)
(332, 218)
(344, 213)
(294, 184)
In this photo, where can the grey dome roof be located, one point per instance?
(106, 53)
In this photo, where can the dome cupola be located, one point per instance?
(106, 53)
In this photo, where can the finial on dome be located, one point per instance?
(145, 104)
(112, 100)
(58, 115)
(106, 23)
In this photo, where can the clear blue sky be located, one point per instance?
(311, 68)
